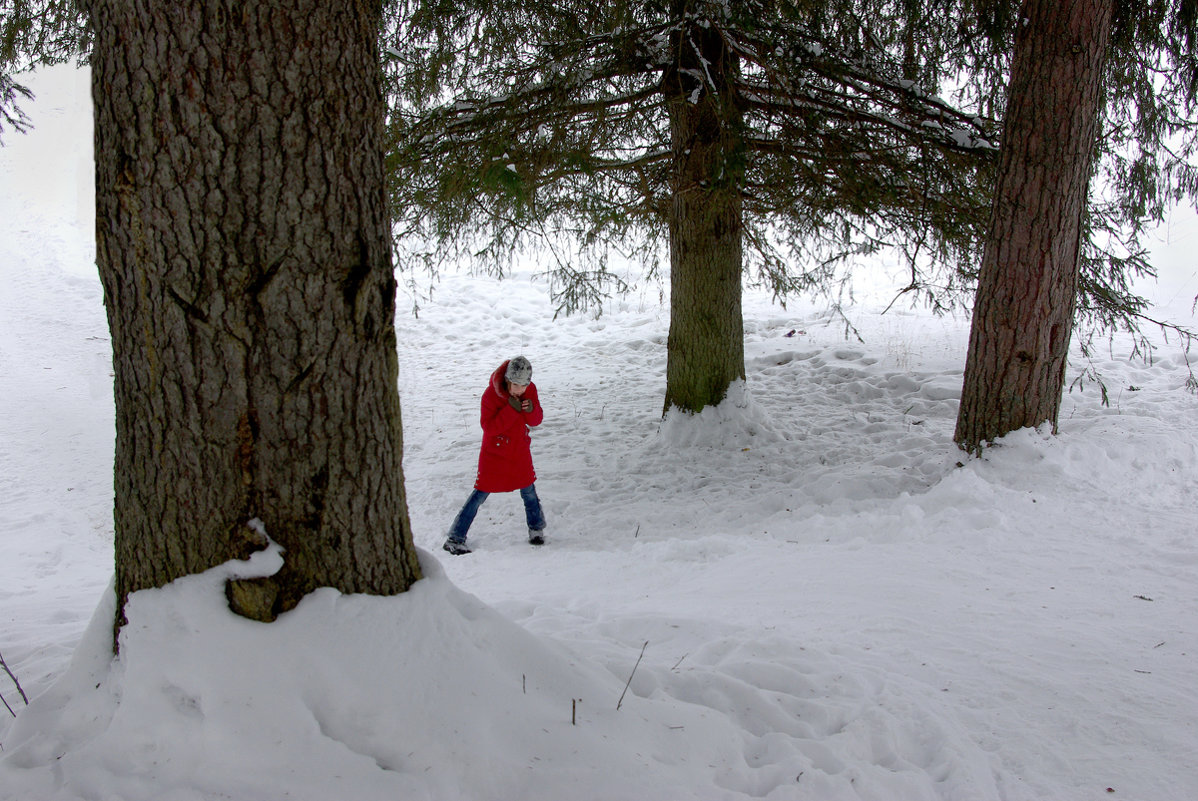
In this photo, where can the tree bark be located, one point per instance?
(1023, 315)
(243, 243)
(705, 351)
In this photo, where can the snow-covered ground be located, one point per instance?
(814, 593)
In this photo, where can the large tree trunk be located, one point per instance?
(1023, 315)
(706, 344)
(242, 240)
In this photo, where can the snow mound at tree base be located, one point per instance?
(737, 422)
(434, 695)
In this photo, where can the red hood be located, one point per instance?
(499, 380)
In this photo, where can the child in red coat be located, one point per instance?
(509, 408)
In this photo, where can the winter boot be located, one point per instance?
(536, 537)
(456, 548)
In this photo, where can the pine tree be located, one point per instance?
(1023, 317)
(242, 239)
(755, 135)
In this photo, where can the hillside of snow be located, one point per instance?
(808, 593)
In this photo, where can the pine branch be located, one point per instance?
(11, 113)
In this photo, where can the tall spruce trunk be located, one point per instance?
(1023, 315)
(705, 352)
(242, 239)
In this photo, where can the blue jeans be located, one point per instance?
(532, 513)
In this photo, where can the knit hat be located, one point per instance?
(519, 371)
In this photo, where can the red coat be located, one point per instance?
(505, 460)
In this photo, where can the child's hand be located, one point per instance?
(515, 403)
(525, 405)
